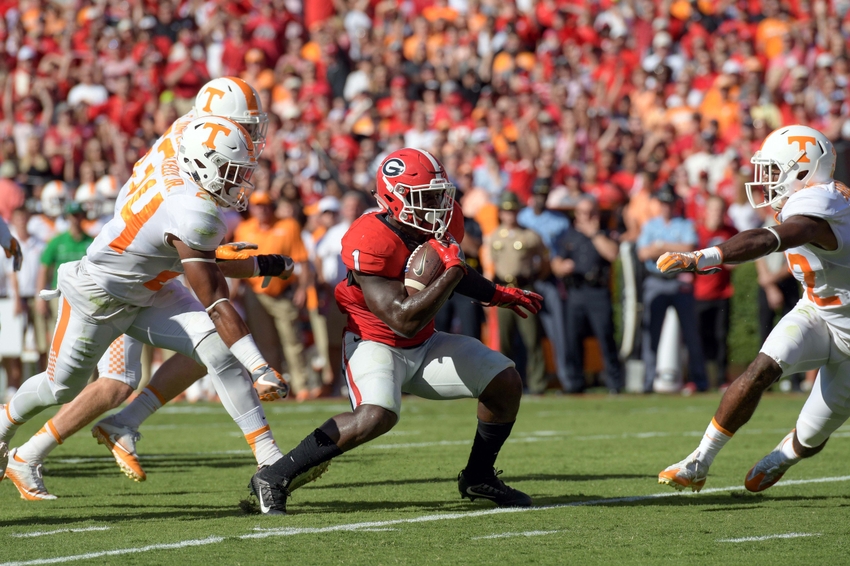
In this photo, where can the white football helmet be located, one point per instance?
(90, 200)
(235, 99)
(219, 155)
(53, 197)
(790, 158)
(108, 188)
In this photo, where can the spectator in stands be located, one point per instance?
(668, 232)
(519, 258)
(551, 226)
(582, 258)
(276, 306)
(713, 292)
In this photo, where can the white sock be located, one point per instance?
(144, 405)
(788, 451)
(40, 445)
(713, 440)
(259, 437)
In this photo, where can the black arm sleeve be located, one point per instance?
(476, 286)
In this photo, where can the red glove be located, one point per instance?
(450, 252)
(512, 298)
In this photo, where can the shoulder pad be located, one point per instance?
(198, 221)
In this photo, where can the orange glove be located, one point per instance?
(270, 385)
(696, 262)
(235, 250)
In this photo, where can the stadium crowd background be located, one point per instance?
(607, 98)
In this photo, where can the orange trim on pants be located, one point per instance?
(58, 336)
(252, 437)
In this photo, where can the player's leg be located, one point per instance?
(77, 345)
(826, 409)
(117, 373)
(800, 341)
(374, 373)
(177, 321)
(456, 367)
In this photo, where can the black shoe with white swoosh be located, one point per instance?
(272, 497)
(494, 489)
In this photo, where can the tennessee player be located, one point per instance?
(50, 221)
(229, 97)
(390, 345)
(169, 223)
(794, 176)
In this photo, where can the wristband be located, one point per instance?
(709, 257)
(272, 264)
(772, 230)
(245, 350)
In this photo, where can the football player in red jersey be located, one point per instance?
(390, 345)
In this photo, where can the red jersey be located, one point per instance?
(716, 285)
(373, 247)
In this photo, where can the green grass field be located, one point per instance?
(590, 464)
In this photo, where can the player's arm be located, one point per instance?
(387, 299)
(796, 231)
(235, 261)
(210, 286)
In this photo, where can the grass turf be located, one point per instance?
(396, 501)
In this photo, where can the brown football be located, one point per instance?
(423, 267)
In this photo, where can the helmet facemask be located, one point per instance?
(257, 127)
(229, 182)
(775, 181)
(428, 208)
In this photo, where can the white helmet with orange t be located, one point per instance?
(107, 189)
(90, 200)
(218, 155)
(53, 197)
(790, 158)
(233, 98)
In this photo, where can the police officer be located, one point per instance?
(519, 259)
(583, 258)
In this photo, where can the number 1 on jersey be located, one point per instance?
(356, 256)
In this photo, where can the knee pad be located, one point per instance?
(36, 394)
(214, 354)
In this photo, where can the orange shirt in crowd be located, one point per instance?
(284, 237)
(769, 35)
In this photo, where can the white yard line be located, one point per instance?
(57, 531)
(291, 531)
(509, 535)
(118, 552)
(769, 537)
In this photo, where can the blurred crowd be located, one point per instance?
(552, 101)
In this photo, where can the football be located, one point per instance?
(423, 267)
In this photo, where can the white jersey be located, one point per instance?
(130, 259)
(824, 275)
(45, 228)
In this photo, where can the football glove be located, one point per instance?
(270, 385)
(235, 250)
(513, 298)
(450, 252)
(678, 262)
(14, 250)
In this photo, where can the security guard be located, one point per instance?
(519, 258)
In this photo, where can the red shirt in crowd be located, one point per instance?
(716, 285)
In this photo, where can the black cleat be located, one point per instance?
(493, 489)
(272, 497)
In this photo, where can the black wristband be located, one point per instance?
(271, 264)
(476, 286)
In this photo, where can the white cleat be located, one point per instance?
(4, 458)
(121, 442)
(27, 478)
(771, 468)
(689, 473)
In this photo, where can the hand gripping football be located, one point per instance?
(423, 267)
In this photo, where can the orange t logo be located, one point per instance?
(212, 93)
(215, 130)
(802, 142)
